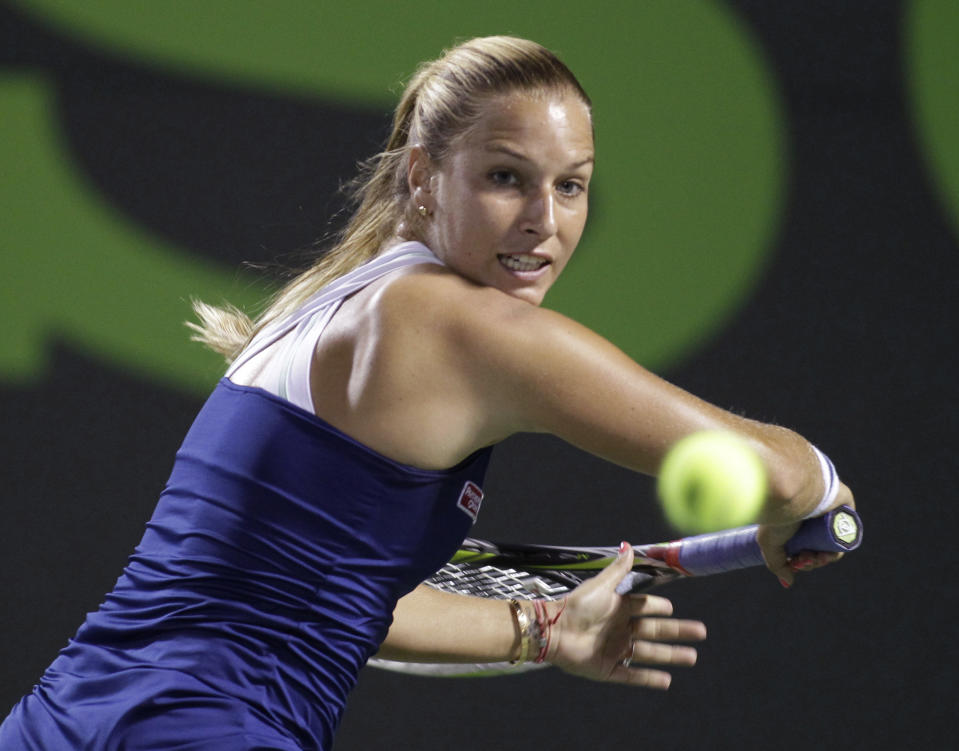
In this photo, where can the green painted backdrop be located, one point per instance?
(774, 227)
(689, 186)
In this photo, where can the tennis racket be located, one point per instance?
(525, 572)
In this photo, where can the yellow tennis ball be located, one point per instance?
(711, 480)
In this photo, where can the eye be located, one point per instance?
(503, 178)
(571, 188)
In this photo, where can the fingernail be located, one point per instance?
(786, 584)
(623, 547)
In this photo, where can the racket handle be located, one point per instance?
(839, 530)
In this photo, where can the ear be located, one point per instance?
(420, 177)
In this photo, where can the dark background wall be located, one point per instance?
(122, 175)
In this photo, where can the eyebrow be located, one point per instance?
(500, 148)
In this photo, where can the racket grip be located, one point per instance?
(840, 530)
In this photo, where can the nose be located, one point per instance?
(539, 217)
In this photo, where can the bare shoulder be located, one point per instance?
(424, 290)
(512, 360)
(438, 301)
(405, 357)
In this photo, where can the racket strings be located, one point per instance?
(497, 582)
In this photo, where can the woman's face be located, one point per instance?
(509, 203)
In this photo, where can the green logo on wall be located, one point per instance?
(689, 180)
(932, 31)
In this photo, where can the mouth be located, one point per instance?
(522, 262)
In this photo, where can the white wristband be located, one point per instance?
(830, 481)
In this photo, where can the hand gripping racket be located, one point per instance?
(525, 572)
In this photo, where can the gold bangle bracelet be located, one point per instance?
(523, 623)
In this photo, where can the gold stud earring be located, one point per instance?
(422, 210)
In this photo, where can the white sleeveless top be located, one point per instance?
(286, 367)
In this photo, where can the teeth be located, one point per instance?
(522, 262)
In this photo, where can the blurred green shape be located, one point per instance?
(932, 49)
(75, 269)
(690, 173)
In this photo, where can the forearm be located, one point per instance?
(433, 626)
(633, 418)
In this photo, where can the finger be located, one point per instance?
(785, 575)
(668, 629)
(778, 564)
(654, 653)
(644, 677)
(646, 605)
(772, 541)
(807, 560)
(614, 573)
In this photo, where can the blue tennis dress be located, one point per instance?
(264, 581)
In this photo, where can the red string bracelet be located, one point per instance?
(545, 627)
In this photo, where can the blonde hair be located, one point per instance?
(443, 99)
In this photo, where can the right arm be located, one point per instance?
(529, 369)
(546, 373)
(461, 366)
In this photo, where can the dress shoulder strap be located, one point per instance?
(289, 366)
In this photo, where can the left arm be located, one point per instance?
(597, 630)
(433, 626)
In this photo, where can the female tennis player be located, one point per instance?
(341, 459)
